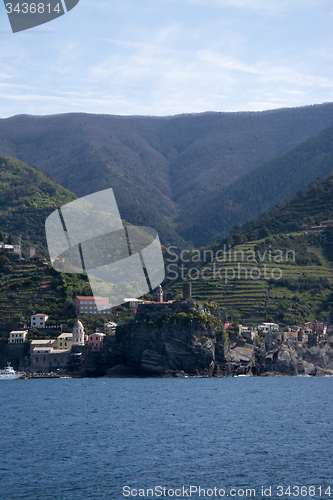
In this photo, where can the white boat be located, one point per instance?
(9, 373)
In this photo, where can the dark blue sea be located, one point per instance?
(243, 437)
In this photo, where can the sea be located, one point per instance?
(199, 438)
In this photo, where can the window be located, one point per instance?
(60, 343)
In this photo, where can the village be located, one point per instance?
(52, 356)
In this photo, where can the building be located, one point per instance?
(292, 335)
(78, 334)
(10, 248)
(47, 359)
(133, 303)
(187, 291)
(91, 305)
(18, 337)
(159, 294)
(247, 333)
(50, 344)
(31, 252)
(38, 320)
(265, 327)
(320, 329)
(110, 328)
(95, 341)
(65, 341)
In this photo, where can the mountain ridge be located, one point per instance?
(164, 165)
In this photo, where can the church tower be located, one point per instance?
(78, 333)
(159, 294)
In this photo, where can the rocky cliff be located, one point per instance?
(185, 341)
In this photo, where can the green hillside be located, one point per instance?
(27, 197)
(163, 168)
(309, 208)
(276, 268)
(259, 190)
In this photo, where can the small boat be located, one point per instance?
(9, 373)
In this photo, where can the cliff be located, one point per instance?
(185, 342)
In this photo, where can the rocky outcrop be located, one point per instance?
(173, 343)
(143, 350)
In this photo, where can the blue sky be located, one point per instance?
(165, 57)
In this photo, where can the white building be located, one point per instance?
(11, 248)
(133, 303)
(18, 337)
(38, 320)
(78, 333)
(265, 327)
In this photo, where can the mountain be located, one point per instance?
(259, 190)
(309, 211)
(159, 167)
(27, 197)
(278, 267)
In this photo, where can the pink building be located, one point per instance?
(88, 305)
(95, 341)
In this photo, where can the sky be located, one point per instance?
(167, 57)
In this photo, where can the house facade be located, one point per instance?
(51, 344)
(95, 341)
(65, 341)
(38, 320)
(18, 337)
(47, 359)
(91, 305)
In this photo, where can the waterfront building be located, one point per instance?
(34, 344)
(47, 359)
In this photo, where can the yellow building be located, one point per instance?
(65, 341)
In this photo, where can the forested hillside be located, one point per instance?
(161, 168)
(311, 211)
(27, 197)
(259, 190)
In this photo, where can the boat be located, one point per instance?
(9, 373)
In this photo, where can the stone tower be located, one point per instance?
(78, 333)
(269, 340)
(187, 291)
(159, 294)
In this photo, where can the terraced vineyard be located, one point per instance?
(27, 286)
(248, 283)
